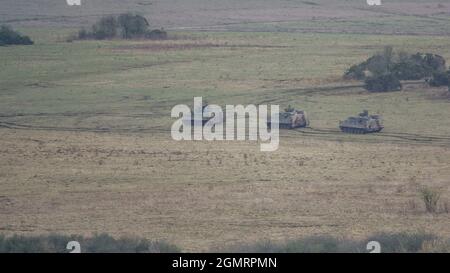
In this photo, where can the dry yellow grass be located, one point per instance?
(206, 195)
(201, 195)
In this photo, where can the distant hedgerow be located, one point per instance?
(389, 243)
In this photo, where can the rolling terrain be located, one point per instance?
(85, 142)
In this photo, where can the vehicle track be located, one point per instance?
(16, 126)
(324, 133)
(327, 134)
(388, 137)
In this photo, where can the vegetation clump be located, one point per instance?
(10, 37)
(440, 79)
(383, 83)
(418, 66)
(101, 243)
(430, 198)
(389, 243)
(124, 26)
(104, 243)
(384, 71)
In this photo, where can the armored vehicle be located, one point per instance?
(206, 115)
(191, 120)
(362, 124)
(291, 119)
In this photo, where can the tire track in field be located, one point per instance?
(17, 126)
(388, 137)
(326, 134)
(330, 134)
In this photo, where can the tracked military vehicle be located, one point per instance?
(291, 119)
(362, 124)
(191, 119)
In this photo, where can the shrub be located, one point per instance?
(10, 37)
(126, 25)
(106, 28)
(409, 70)
(356, 72)
(390, 243)
(436, 246)
(375, 65)
(313, 244)
(320, 244)
(430, 198)
(102, 243)
(83, 34)
(402, 65)
(383, 83)
(402, 242)
(440, 79)
(156, 34)
(132, 25)
(378, 64)
(435, 63)
(419, 66)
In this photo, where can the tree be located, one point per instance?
(378, 64)
(106, 28)
(156, 34)
(383, 83)
(440, 79)
(10, 37)
(126, 26)
(402, 65)
(132, 26)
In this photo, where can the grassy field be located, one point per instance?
(351, 16)
(85, 144)
(90, 83)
